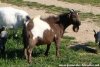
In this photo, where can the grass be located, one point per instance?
(94, 18)
(92, 2)
(50, 8)
(14, 54)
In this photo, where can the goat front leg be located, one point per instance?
(25, 54)
(57, 43)
(29, 54)
(31, 45)
(47, 50)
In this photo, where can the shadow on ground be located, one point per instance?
(12, 54)
(84, 46)
(19, 54)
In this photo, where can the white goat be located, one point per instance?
(12, 18)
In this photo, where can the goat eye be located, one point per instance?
(74, 19)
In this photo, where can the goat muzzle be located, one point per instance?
(75, 28)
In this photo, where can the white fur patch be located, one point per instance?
(39, 27)
(11, 17)
(77, 13)
(26, 23)
(55, 35)
(52, 30)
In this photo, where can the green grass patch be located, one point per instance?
(95, 18)
(68, 37)
(92, 2)
(14, 54)
(83, 16)
(50, 8)
(92, 44)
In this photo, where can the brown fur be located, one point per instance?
(26, 34)
(58, 26)
(30, 25)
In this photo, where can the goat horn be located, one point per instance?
(71, 10)
(94, 31)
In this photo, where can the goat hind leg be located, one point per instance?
(57, 43)
(48, 47)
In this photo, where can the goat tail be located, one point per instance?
(27, 18)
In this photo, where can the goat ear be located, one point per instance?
(69, 15)
(94, 31)
(27, 18)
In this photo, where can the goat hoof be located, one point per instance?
(58, 56)
(29, 62)
(46, 54)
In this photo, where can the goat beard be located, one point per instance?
(75, 28)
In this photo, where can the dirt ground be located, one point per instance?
(75, 6)
(85, 33)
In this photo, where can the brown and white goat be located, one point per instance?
(44, 31)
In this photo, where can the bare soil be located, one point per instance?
(75, 6)
(85, 33)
